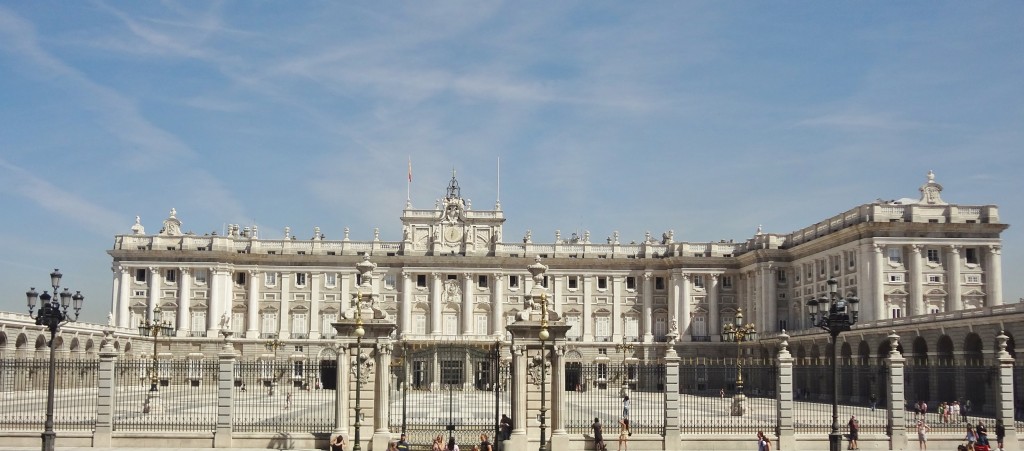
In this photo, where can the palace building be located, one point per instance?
(453, 276)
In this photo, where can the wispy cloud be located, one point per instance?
(860, 121)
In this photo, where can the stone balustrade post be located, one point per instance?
(896, 414)
(1004, 396)
(225, 394)
(784, 391)
(672, 435)
(105, 392)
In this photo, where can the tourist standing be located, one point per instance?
(485, 443)
(338, 444)
(598, 435)
(922, 435)
(625, 406)
(1000, 433)
(763, 444)
(624, 432)
(971, 437)
(854, 427)
(452, 446)
(402, 445)
(506, 428)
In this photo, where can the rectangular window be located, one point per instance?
(632, 328)
(238, 323)
(198, 322)
(451, 324)
(389, 281)
(421, 280)
(481, 281)
(574, 332)
(973, 278)
(603, 328)
(853, 259)
(933, 255)
(573, 282)
(971, 255)
(419, 323)
(239, 278)
(268, 323)
(200, 276)
(480, 323)
(781, 275)
(631, 283)
(934, 278)
(140, 293)
(513, 282)
(330, 279)
(895, 255)
(698, 280)
(140, 275)
(659, 283)
(300, 279)
(171, 276)
(897, 313)
(726, 281)
(602, 283)
(300, 327)
(270, 279)
(895, 278)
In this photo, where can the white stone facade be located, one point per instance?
(453, 276)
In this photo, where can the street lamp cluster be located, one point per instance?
(154, 327)
(625, 348)
(359, 332)
(275, 372)
(52, 314)
(543, 335)
(834, 314)
(738, 332)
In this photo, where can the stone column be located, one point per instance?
(878, 283)
(283, 324)
(672, 435)
(225, 396)
(497, 304)
(915, 300)
(105, 392)
(714, 326)
(617, 331)
(953, 282)
(467, 304)
(559, 436)
(184, 301)
(648, 306)
(154, 293)
(994, 277)
(518, 440)
(1004, 395)
(673, 297)
(214, 298)
(341, 395)
(252, 306)
(381, 395)
(897, 397)
(314, 305)
(115, 285)
(587, 321)
(123, 299)
(772, 296)
(786, 431)
(435, 304)
(405, 306)
(685, 312)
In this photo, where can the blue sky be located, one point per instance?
(705, 118)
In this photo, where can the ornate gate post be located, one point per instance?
(559, 436)
(225, 395)
(897, 398)
(105, 392)
(784, 391)
(672, 436)
(381, 395)
(1004, 397)
(517, 441)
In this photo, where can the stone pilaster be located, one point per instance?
(672, 436)
(994, 276)
(559, 436)
(897, 398)
(648, 304)
(786, 432)
(1004, 395)
(225, 395)
(381, 392)
(105, 392)
(517, 441)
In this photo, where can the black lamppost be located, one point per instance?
(625, 348)
(52, 315)
(275, 372)
(497, 390)
(359, 331)
(738, 332)
(837, 315)
(543, 335)
(154, 327)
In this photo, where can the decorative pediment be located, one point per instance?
(936, 292)
(896, 292)
(974, 292)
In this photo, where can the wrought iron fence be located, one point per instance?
(273, 396)
(184, 397)
(709, 402)
(457, 390)
(859, 383)
(950, 406)
(598, 390)
(23, 390)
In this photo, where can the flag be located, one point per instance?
(410, 170)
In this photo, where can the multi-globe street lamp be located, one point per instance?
(275, 372)
(359, 332)
(154, 327)
(738, 332)
(52, 314)
(626, 349)
(837, 314)
(543, 335)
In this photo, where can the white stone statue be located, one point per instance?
(225, 321)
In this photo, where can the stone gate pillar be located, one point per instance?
(381, 394)
(672, 436)
(897, 399)
(1004, 396)
(559, 436)
(105, 391)
(784, 390)
(517, 441)
(225, 395)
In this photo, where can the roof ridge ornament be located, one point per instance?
(930, 191)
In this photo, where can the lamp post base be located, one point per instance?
(835, 441)
(739, 405)
(152, 404)
(49, 440)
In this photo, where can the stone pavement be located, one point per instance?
(75, 448)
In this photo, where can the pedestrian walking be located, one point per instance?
(1000, 434)
(288, 401)
(971, 437)
(964, 410)
(763, 444)
(624, 433)
(598, 435)
(402, 445)
(922, 435)
(485, 443)
(874, 401)
(854, 427)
